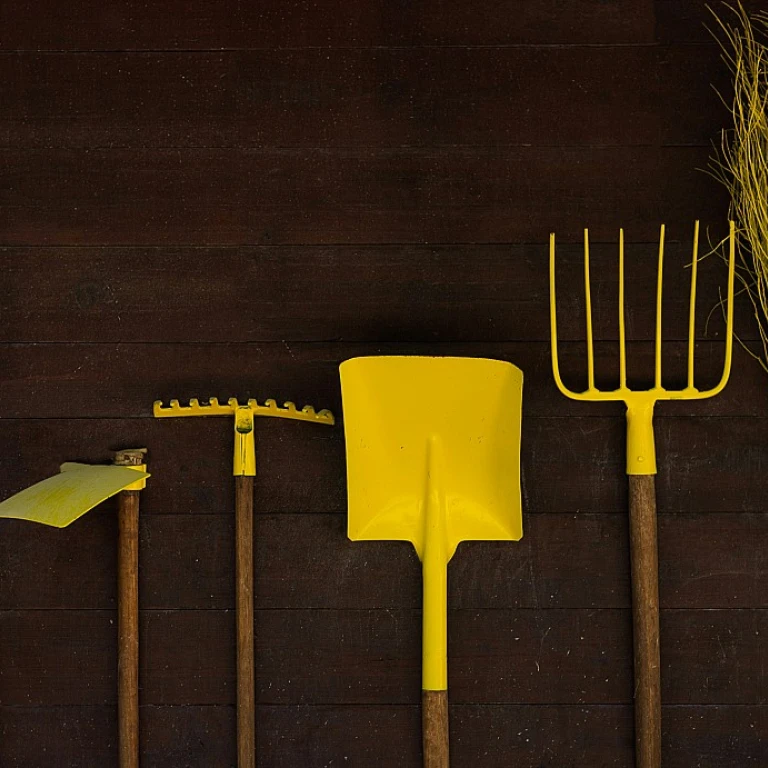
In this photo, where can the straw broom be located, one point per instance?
(741, 163)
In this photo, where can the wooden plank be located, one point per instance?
(129, 24)
(627, 95)
(306, 562)
(350, 293)
(686, 21)
(705, 464)
(299, 196)
(315, 736)
(374, 657)
(86, 736)
(123, 380)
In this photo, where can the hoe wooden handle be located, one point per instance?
(645, 615)
(246, 698)
(128, 629)
(434, 724)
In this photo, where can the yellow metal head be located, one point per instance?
(60, 500)
(447, 426)
(245, 449)
(641, 455)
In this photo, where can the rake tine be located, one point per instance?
(622, 327)
(659, 284)
(588, 300)
(692, 308)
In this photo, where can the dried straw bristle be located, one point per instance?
(742, 160)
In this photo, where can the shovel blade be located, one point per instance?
(61, 499)
(421, 428)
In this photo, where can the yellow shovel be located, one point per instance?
(433, 457)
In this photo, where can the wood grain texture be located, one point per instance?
(246, 696)
(316, 735)
(129, 24)
(405, 195)
(367, 657)
(365, 98)
(709, 464)
(435, 729)
(689, 21)
(644, 558)
(128, 614)
(351, 293)
(229, 199)
(577, 561)
(88, 381)
(128, 629)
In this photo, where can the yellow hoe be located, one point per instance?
(60, 500)
(433, 457)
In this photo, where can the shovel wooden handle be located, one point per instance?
(246, 698)
(434, 724)
(643, 542)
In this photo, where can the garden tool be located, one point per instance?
(433, 455)
(244, 471)
(641, 468)
(59, 501)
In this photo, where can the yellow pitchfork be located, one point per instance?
(641, 467)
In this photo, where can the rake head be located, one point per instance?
(245, 452)
(640, 403)
(214, 408)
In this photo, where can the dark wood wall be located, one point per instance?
(229, 198)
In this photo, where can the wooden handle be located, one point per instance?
(645, 616)
(246, 698)
(434, 726)
(128, 629)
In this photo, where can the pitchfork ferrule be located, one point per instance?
(641, 446)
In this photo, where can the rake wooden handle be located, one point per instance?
(246, 698)
(434, 726)
(643, 542)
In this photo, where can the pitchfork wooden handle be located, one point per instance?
(246, 698)
(645, 615)
(434, 720)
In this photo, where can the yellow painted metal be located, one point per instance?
(245, 443)
(244, 462)
(60, 500)
(141, 483)
(641, 452)
(433, 457)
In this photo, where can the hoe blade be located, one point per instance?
(432, 429)
(61, 499)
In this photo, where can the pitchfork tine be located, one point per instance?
(692, 307)
(659, 284)
(588, 301)
(622, 326)
(729, 317)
